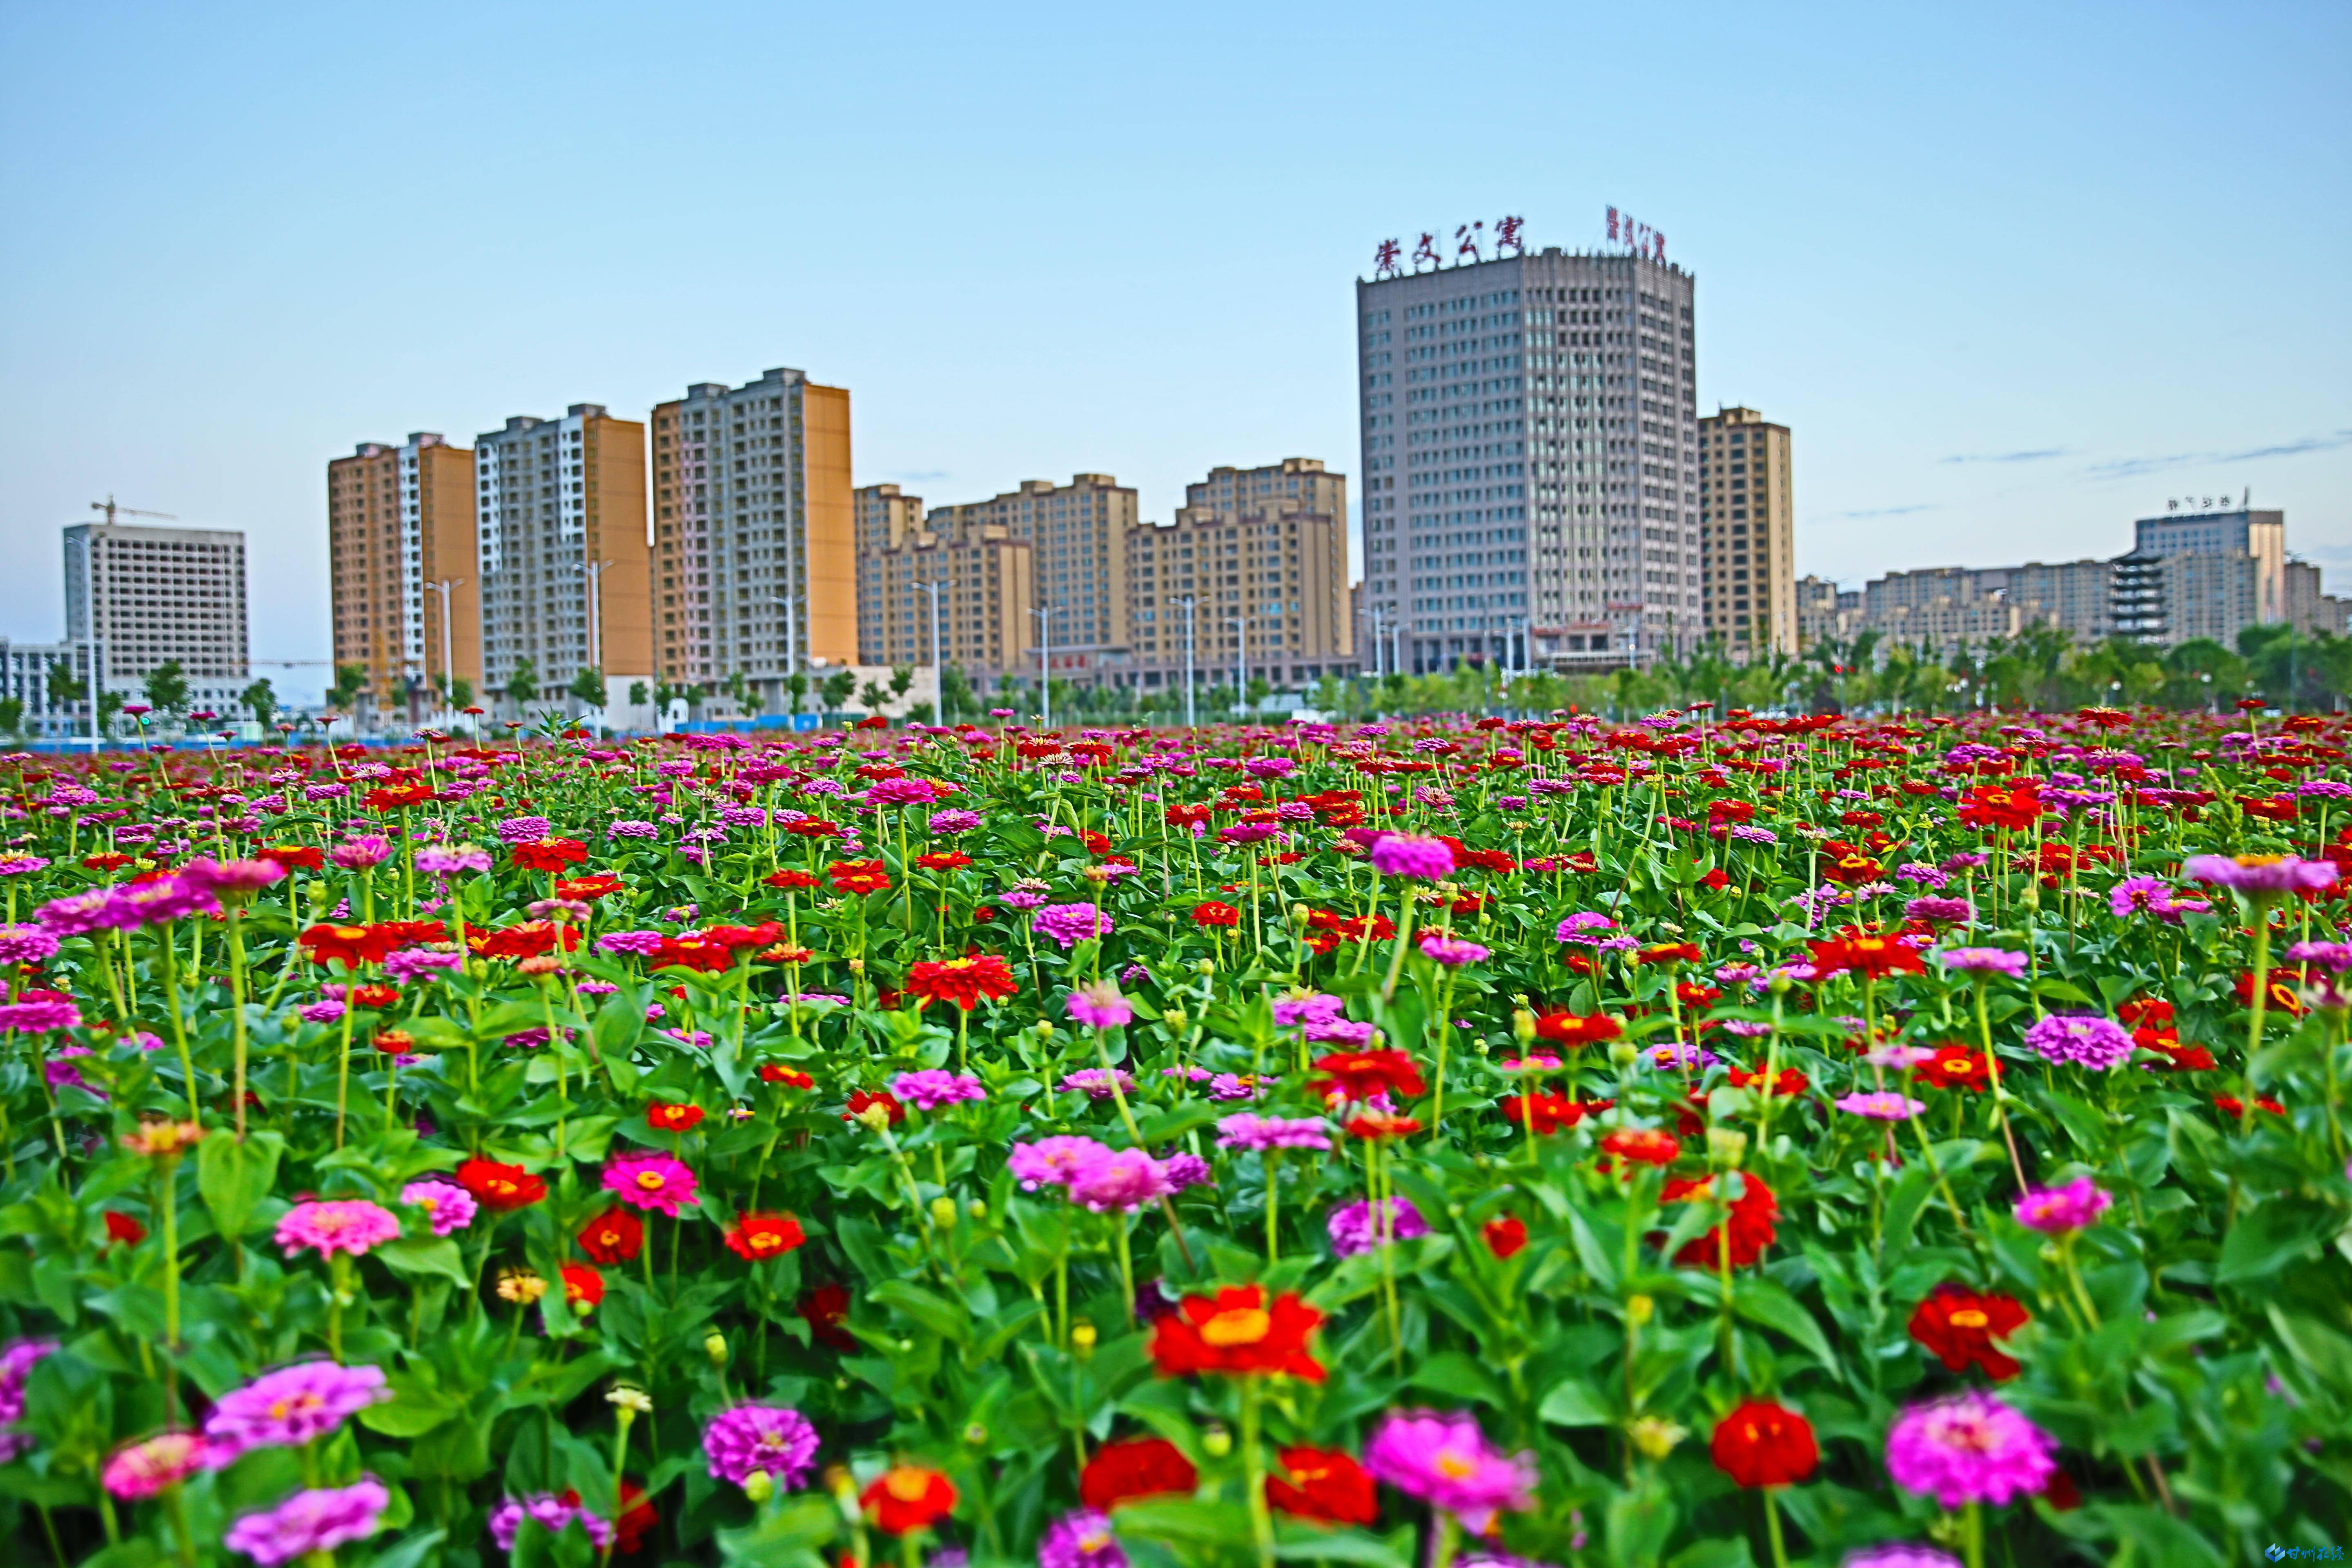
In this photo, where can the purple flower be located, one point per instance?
(1126, 1180)
(1409, 855)
(935, 1088)
(1354, 1229)
(523, 829)
(1250, 1130)
(2332, 957)
(1096, 1083)
(79, 914)
(2092, 1042)
(1451, 951)
(1983, 960)
(418, 963)
(552, 1513)
(1969, 1448)
(1290, 1012)
(1947, 911)
(39, 1016)
(448, 1206)
(1070, 924)
(1585, 927)
(446, 861)
(767, 1437)
(1099, 1007)
(1053, 1161)
(2062, 1211)
(26, 944)
(292, 1405)
(318, 1520)
(957, 821)
(1080, 1538)
(1227, 1088)
(2261, 877)
(361, 854)
(1899, 1554)
(1445, 1461)
(1884, 1106)
(18, 1360)
(1184, 1171)
(637, 943)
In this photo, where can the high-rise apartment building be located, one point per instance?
(1254, 570)
(1825, 612)
(561, 550)
(401, 548)
(1530, 440)
(1079, 535)
(961, 594)
(754, 532)
(1748, 529)
(1936, 609)
(886, 518)
(149, 595)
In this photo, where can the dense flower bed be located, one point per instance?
(1702, 1142)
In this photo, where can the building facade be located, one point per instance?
(561, 550)
(27, 678)
(1530, 459)
(958, 594)
(1749, 531)
(886, 518)
(146, 596)
(1078, 535)
(754, 533)
(401, 550)
(2309, 608)
(1825, 612)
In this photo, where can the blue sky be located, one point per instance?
(2013, 274)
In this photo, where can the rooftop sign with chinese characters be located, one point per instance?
(1470, 240)
(1647, 243)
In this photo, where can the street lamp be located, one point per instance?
(1190, 719)
(443, 586)
(1045, 661)
(939, 703)
(1241, 657)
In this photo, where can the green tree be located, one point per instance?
(261, 701)
(110, 703)
(739, 688)
(461, 693)
(522, 686)
(11, 715)
(351, 679)
(837, 688)
(167, 687)
(589, 686)
(796, 686)
(956, 698)
(64, 686)
(920, 714)
(639, 695)
(874, 698)
(902, 679)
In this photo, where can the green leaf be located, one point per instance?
(1186, 1522)
(786, 1534)
(1761, 1300)
(1452, 1372)
(413, 1410)
(1575, 1403)
(2267, 1239)
(1297, 1543)
(419, 1256)
(408, 1551)
(233, 1177)
(934, 1313)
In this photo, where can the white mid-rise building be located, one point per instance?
(146, 596)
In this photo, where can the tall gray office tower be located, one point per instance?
(1531, 485)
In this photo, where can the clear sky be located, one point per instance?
(2014, 274)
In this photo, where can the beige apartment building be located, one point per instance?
(1078, 535)
(401, 548)
(754, 534)
(886, 518)
(561, 550)
(959, 594)
(1747, 534)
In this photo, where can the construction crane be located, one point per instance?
(110, 509)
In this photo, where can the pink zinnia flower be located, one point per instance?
(1250, 1130)
(2259, 878)
(446, 861)
(289, 1407)
(651, 1182)
(1449, 951)
(368, 850)
(935, 1088)
(1445, 1461)
(1969, 1448)
(143, 1469)
(26, 944)
(352, 1225)
(1099, 1007)
(1069, 924)
(767, 1437)
(1126, 1180)
(317, 1521)
(448, 1206)
(1983, 960)
(1411, 855)
(40, 1014)
(2092, 1042)
(1886, 1107)
(1053, 1161)
(2059, 1211)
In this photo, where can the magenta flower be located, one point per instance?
(141, 1469)
(1099, 1007)
(1080, 1538)
(1900, 1554)
(651, 1182)
(551, 1513)
(368, 850)
(292, 1405)
(1411, 855)
(16, 863)
(1094, 1083)
(26, 944)
(1883, 1107)
(1125, 1181)
(1445, 1461)
(1585, 928)
(2261, 877)
(1055, 1161)
(2062, 1211)
(1983, 961)
(39, 1015)
(770, 1439)
(317, 1521)
(1969, 1448)
(240, 879)
(449, 1207)
(350, 1226)
(1294, 1012)
(446, 861)
(2335, 957)
(164, 898)
(935, 1088)
(1451, 951)
(1353, 1227)
(2094, 1042)
(1070, 924)
(1943, 911)
(956, 821)
(1250, 1130)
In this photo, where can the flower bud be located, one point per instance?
(1654, 1435)
(1725, 1147)
(1779, 984)
(1298, 913)
(875, 1118)
(976, 1435)
(1173, 1017)
(1623, 1054)
(977, 1209)
(1206, 966)
(1523, 1025)
(714, 1345)
(1082, 1338)
(943, 1210)
(758, 1487)
(1638, 1309)
(1216, 1441)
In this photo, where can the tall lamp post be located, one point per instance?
(443, 586)
(1240, 657)
(940, 702)
(1045, 661)
(1191, 720)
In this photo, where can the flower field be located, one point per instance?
(1707, 1141)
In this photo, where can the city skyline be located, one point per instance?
(2004, 321)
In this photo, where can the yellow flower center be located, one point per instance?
(650, 1180)
(2252, 860)
(1453, 1466)
(907, 1485)
(1238, 1326)
(1969, 1318)
(351, 934)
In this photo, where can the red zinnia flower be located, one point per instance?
(861, 1098)
(814, 827)
(1957, 1326)
(351, 946)
(377, 997)
(295, 857)
(943, 860)
(1670, 952)
(790, 1078)
(613, 1237)
(1213, 914)
(908, 1497)
(501, 1187)
(590, 888)
(1956, 1066)
(663, 1117)
(859, 877)
(1753, 1217)
(1790, 1083)
(1762, 1444)
(1238, 1332)
(1505, 1237)
(122, 1230)
(1541, 1112)
(1643, 1145)
(1135, 1467)
(1871, 956)
(1361, 1075)
(791, 881)
(1991, 806)
(397, 797)
(1569, 1029)
(758, 1235)
(549, 854)
(962, 981)
(637, 1516)
(825, 1308)
(583, 1288)
(1323, 1483)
